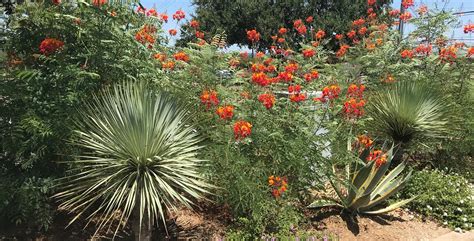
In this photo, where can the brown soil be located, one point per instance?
(397, 225)
(210, 224)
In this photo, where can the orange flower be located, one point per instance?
(225, 112)
(209, 97)
(320, 34)
(358, 22)
(152, 12)
(242, 129)
(286, 76)
(99, 3)
(389, 79)
(394, 12)
(342, 51)
(159, 56)
(181, 56)
(353, 108)
(470, 52)
(422, 9)
(329, 93)
(339, 36)
(178, 15)
(268, 100)
(405, 16)
(468, 28)
(280, 40)
(260, 78)
(199, 34)
(194, 24)
(146, 35)
(172, 32)
(407, 54)
(50, 45)
(365, 141)
(371, 2)
(448, 53)
(308, 53)
(253, 36)
(291, 67)
(168, 65)
(407, 3)
(56, 2)
(279, 185)
(362, 31)
(423, 49)
(309, 19)
(282, 31)
(351, 34)
(163, 17)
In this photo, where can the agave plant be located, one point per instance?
(140, 160)
(368, 186)
(409, 111)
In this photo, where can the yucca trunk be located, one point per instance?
(143, 232)
(398, 153)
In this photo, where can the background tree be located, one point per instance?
(267, 16)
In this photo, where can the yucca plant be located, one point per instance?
(409, 111)
(140, 160)
(368, 185)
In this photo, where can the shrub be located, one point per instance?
(57, 57)
(447, 197)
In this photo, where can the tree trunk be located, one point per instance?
(399, 150)
(143, 232)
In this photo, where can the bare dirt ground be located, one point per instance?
(397, 225)
(210, 224)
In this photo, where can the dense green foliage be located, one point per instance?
(236, 17)
(41, 93)
(447, 197)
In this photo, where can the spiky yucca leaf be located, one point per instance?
(141, 158)
(410, 110)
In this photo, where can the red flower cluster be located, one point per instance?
(50, 45)
(407, 3)
(358, 22)
(242, 129)
(167, 65)
(329, 93)
(194, 24)
(261, 79)
(181, 56)
(470, 52)
(371, 2)
(365, 141)
(209, 98)
(354, 108)
(253, 36)
(268, 100)
(309, 19)
(355, 91)
(225, 112)
(308, 53)
(278, 184)
(423, 49)
(407, 53)
(178, 15)
(295, 93)
(152, 12)
(378, 157)
(99, 3)
(300, 27)
(405, 16)
(448, 53)
(468, 28)
(394, 12)
(422, 9)
(172, 32)
(310, 76)
(320, 34)
(342, 51)
(145, 35)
